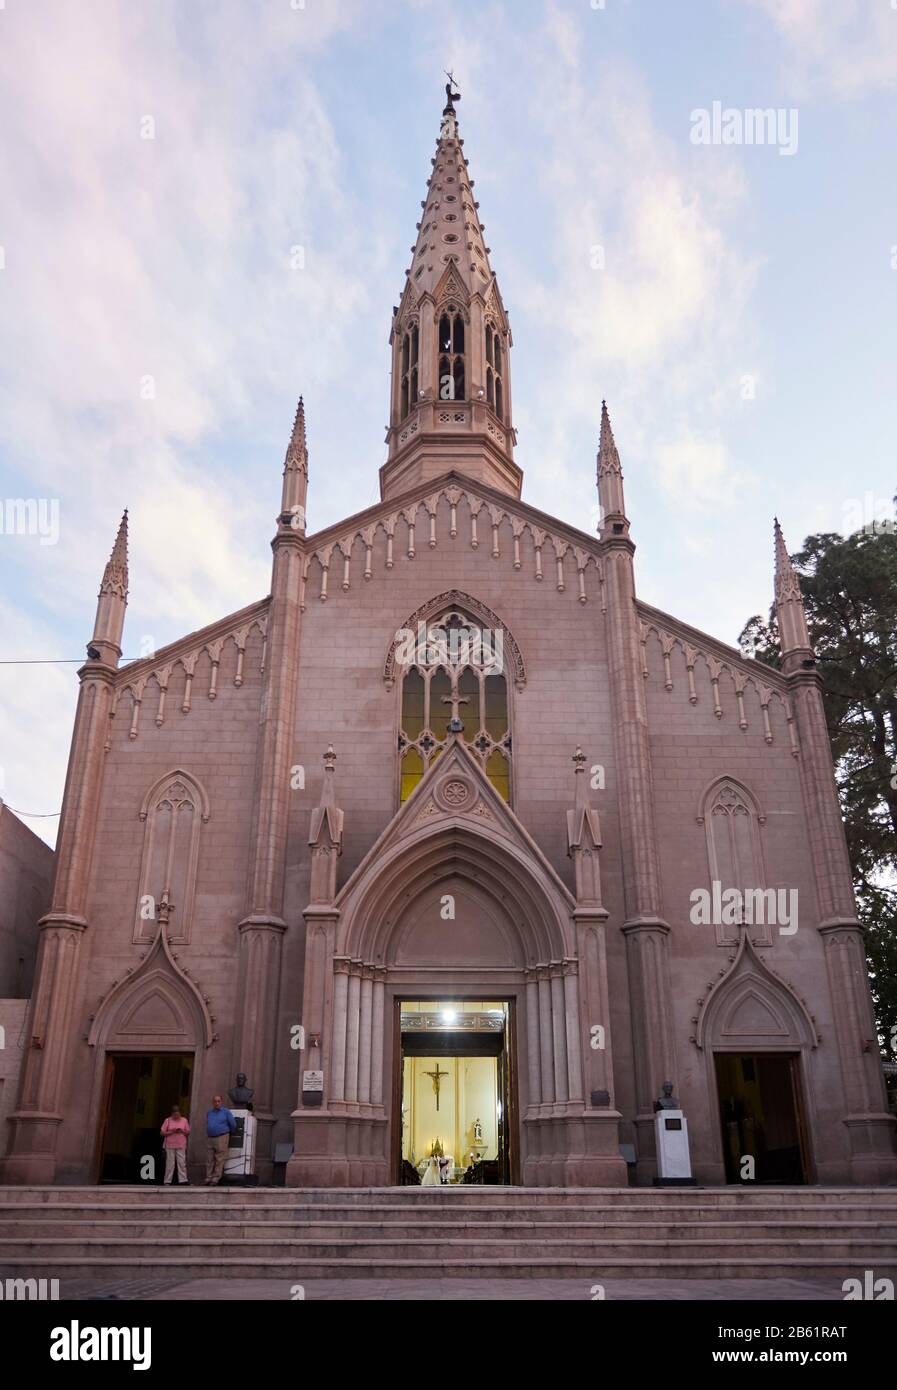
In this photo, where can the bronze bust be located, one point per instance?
(240, 1096)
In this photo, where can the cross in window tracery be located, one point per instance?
(455, 699)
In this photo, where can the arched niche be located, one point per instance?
(732, 816)
(173, 813)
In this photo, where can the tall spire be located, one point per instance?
(450, 233)
(295, 475)
(610, 482)
(451, 381)
(794, 638)
(112, 601)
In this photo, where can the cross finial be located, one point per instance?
(166, 907)
(451, 96)
(455, 699)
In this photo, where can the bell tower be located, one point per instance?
(450, 404)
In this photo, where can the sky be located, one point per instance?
(206, 209)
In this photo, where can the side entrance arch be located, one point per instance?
(758, 1038)
(149, 1033)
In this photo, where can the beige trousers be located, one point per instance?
(215, 1157)
(178, 1156)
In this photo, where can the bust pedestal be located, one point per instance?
(239, 1166)
(673, 1159)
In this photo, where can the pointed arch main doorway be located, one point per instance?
(455, 1095)
(454, 904)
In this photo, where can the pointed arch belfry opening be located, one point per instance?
(454, 901)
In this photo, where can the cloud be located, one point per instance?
(849, 47)
(639, 280)
(158, 178)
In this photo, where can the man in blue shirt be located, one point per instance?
(220, 1125)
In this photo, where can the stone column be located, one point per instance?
(377, 1034)
(365, 1040)
(532, 1039)
(572, 1020)
(645, 929)
(337, 1090)
(261, 930)
(51, 1024)
(545, 1049)
(652, 1029)
(352, 1027)
(559, 1034)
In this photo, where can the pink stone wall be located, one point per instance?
(690, 746)
(216, 743)
(26, 876)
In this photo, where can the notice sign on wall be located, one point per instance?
(312, 1088)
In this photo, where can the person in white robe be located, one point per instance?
(431, 1173)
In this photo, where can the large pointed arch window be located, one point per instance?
(452, 668)
(452, 377)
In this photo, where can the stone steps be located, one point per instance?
(385, 1218)
(431, 1247)
(117, 1233)
(311, 1228)
(472, 1266)
(516, 1197)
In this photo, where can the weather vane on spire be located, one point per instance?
(450, 96)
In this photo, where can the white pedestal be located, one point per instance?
(671, 1134)
(240, 1161)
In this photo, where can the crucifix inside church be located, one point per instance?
(437, 1076)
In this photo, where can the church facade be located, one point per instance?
(452, 792)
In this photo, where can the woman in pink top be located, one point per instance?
(175, 1129)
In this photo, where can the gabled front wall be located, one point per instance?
(343, 699)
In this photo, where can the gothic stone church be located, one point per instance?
(414, 840)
